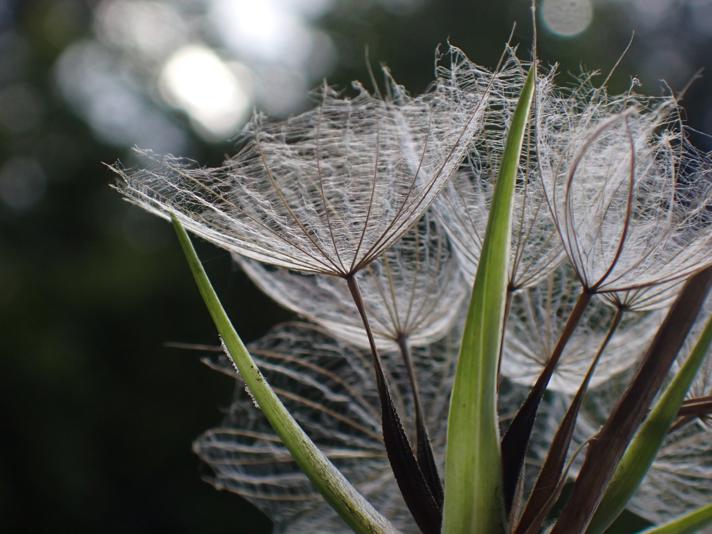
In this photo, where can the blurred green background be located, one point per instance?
(97, 415)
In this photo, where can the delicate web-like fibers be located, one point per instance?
(632, 199)
(464, 204)
(647, 298)
(321, 382)
(680, 479)
(323, 192)
(537, 317)
(414, 290)
(610, 198)
(437, 362)
(326, 385)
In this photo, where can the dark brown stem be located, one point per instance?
(423, 450)
(411, 480)
(605, 452)
(690, 410)
(545, 493)
(516, 439)
(402, 342)
(696, 406)
(358, 300)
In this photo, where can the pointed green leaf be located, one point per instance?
(690, 523)
(473, 470)
(341, 495)
(644, 447)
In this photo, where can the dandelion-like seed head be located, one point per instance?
(324, 384)
(321, 381)
(537, 319)
(326, 191)
(629, 195)
(611, 213)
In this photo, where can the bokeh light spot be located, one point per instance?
(265, 30)
(215, 96)
(110, 99)
(152, 29)
(567, 18)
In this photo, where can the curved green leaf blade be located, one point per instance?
(690, 523)
(644, 447)
(341, 495)
(473, 464)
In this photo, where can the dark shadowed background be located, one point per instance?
(97, 415)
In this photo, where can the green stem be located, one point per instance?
(690, 523)
(473, 464)
(339, 493)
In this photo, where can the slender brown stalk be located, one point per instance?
(423, 447)
(690, 410)
(605, 452)
(402, 342)
(411, 480)
(545, 493)
(516, 439)
(696, 406)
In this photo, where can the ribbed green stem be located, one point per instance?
(473, 463)
(339, 493)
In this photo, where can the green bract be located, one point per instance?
(473, 467)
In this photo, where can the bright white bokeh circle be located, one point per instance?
(215, 95)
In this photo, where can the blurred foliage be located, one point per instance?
(97, 415)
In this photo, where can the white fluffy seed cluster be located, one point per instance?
(395, 190)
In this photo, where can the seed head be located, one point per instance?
(632, 200)
(537, 318)
(323, 192)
